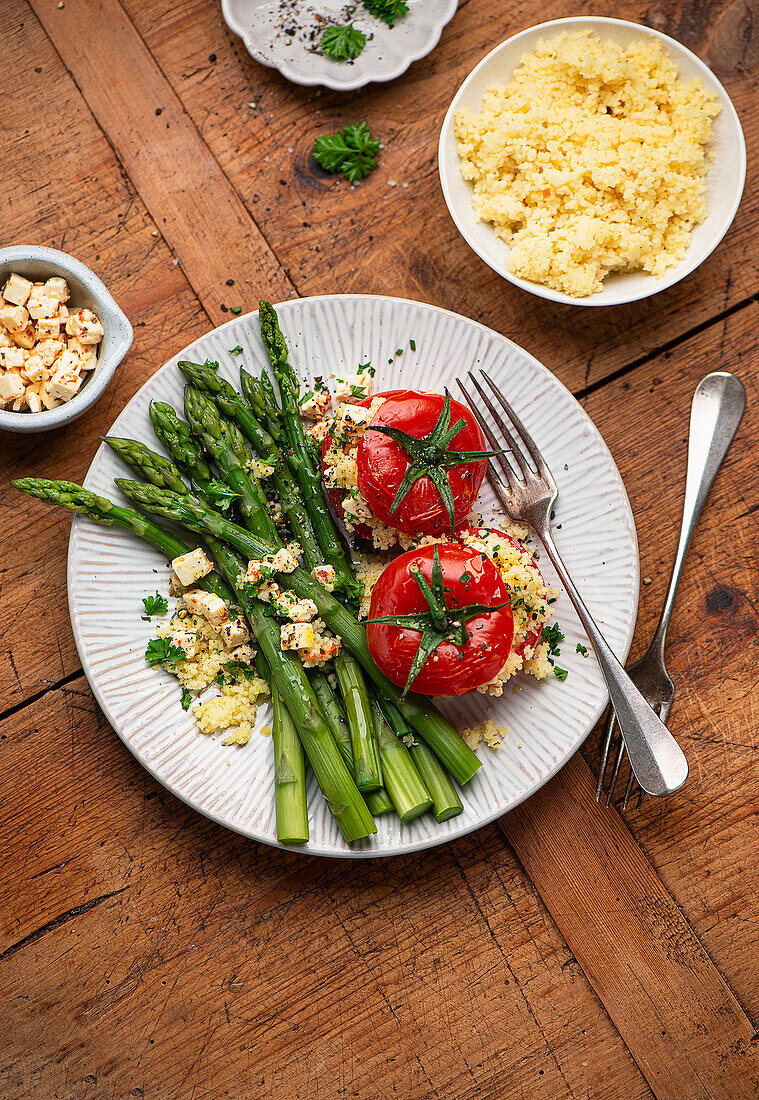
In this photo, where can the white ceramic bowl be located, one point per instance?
(87, 292)
(388, 51)
(724, 182)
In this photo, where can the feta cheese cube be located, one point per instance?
(318, 432)
(15, 318)
(33, 369)
(33, 400)
(26, 337)
(86, 326)
(49, 328)
(68, 361)
(87, 353)
(315, 406)
(17, 290)
(354, 387)
(269, 592)
(5, 340)
(243, 654)
(186, 640)
(11, 386)
(40, 303)
(234, 633)
(64, 384)
(57, 288)
(296, 635)
(47, 398)
(284, 561)
(352, 419)
(302, 611)
(325, 575)
(257, 571)
(190, 567)
(11, 358)
(63, 312)
(49, 350)
(211, 607)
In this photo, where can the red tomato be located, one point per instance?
(382, 464)
(533, 634)
(468, 578)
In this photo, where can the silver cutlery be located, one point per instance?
(716, 412)
(527, 492)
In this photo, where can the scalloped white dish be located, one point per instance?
(109, 571)
(281, 34)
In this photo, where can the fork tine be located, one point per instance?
(629, 789)
(615, 771)
(515, 449)
(524, 435)
(605, 749)
(503, 464)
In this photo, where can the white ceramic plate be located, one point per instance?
(263, 26)
(109, 571)
(724, 181)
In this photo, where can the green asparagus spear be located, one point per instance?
(402, 781)
(436, 730)
(223, 441)
(289, 768)
(367, 769)
(231, 404)
(301, 462)
(445, 802)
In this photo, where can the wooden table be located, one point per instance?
(566, 951)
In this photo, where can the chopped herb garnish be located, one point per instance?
(399, 351)
(235, 309)
(560, 673)
(236, 351)
(351, 150)
(582, 649)
(163, 651)
(553, 635)
(306, 397)
(412, 344)
(342, 43)
(155, 605)
(212, 364)
(186, 698)
(387, 10)
(220, 495)
(358, 391)
(465, 578)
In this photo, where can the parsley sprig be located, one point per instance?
(342, 43)
(554, 636)
(220, 495)
(440, 623)
(163, 651)
(351, 150)
(154, 605)
(387, 10)
(429, 457)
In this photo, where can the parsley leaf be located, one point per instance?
(235, 309)
(212, 364)
(358, 391)
(186, 698)
(342, 43)
(560, 673)
(386, 10)
(155, 605)
(220, 495)
(553, 635)
(162, 650)
(412, 344)
(352, 151)
(236, 351)
(582, 649)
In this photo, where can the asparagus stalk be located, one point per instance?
(436, 730)
(445, 802)
(181, 444)
(225, 444)
(378, 801)
(69, 495)
(366, 759)
(402, 781)
(301, 462)
(231, 404)
(289, 768)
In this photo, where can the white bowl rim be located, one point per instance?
(21, 423)
(679, 271)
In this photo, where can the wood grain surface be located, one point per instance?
(573, 952)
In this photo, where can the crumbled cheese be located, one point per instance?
(316, 406)
(234, 633)
(190, 567)
(325, 575)
(354, 387)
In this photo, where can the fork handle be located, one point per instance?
(655, 757)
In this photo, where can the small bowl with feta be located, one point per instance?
(62, 336)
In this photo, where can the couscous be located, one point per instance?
(591, 160)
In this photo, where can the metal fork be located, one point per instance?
(716, 412)
(528, 496)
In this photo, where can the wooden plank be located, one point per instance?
(70, 194)
(392, 234)
(145, 948)
(196, 209)
(678, 1017)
